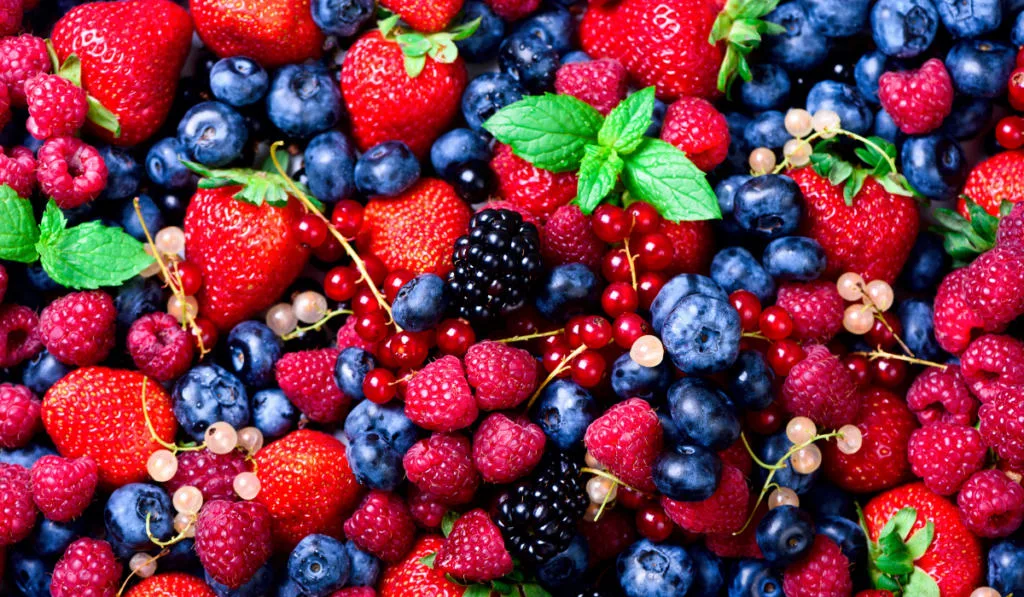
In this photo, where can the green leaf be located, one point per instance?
(839, 172)
(623, 130)
(387, 25)
(465, 30)
(428, 560)
(414, 65)
(903, 521)
(920, 541)
(887, 583)
(448, 522)
(18, 230)
(477, 591)
(921, 585)
(413, 44)
(268, 163)
(599, 170)
(663, 176)
(549, 131)
(895, 184)
(822, 163)
(52, 223)
(534, 590)
(92, 255)
(443, 50)
(854, 184)
(99, 115)
(503, 587)
(72, 70)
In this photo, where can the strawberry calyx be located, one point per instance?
(71, 69)
(741, 27)
(258, 186)
(417, 47)
(875, 158)
(966, 238)
(891, 558)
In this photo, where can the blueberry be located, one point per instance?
(981, 68)
(387, 169)
(1017, 33)
(487, 94)
(649, 569)
(837, 19)
(342, 18)
(350, 369)
(750, 381)
(41, 281)
(702, 335)
(26, 456)
(678, 288)
(374, 462)
(30, 574)
(457, 147)
(869, 69)
(164, 167)
(579, 56)
(364, 567)
(708, 579)
(304, 99)
(755, 578)
(785, 534)
(319, 565)
(387, 420)
(800, 47)
(1006, 566)
(671, 433)
(42, 372)
(725, 192)
(238, 81)
(128, 509)
(934, 165)
(182, 557)
(688, 473)
(904, 28)
(529, 60)
(172, 206)
(919, 329)
(566, 568)
(420, 303)
(847, 534)
(138, 297)
(767, 129)
(213, 133)
(768, 206)
(554, 27)
(886, 128)
(827, 500)
(273, 414)
(854, 113)
(258, 586)
(564, 411)
(50, 539)
(253, 349)
(151, 215)
(969, 118)
(482, 45)
(794, 258)
(208, 394)
(632, 380)
(123, 173)
(767, 90)
(568, 290)
(734, 268)
(773, 449)
(657, 117)
(739, 152)
(703, 413)
(473, 181)
(329, 161)
(927, 263)
(970, 18)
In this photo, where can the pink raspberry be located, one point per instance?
(19, 335)
(693, 246)
(307, 379)
(820, 388)
(1011, 228)
(569, 238)
(627, 439)
(823, 571)
(5, 106)
(917, 100)
(996, 283)
(438, 398)
(70, 171)
(942, 395)
(993, 365)
(11, 13)
(955, 321)
(991, 504)
(79, 328)
(62, 488)
(1002, 425)
(506, 449)
(744, 545)
(502, 375)
(233, 540)
(18, 511)
(724, 512)
(441, 465)
(212, 474)
(19, 415)
(355, 592)
(159, 347)
(382, 526)
(3, 282)
(945, 455)
(426, 509)
(816, 309)
(513, 10)
(737, 456)
(600, 83)
(18, 170)
(521, 183)
(87, 568)
(56, 106)
(21, 58)
(694, 126)
(347, 337)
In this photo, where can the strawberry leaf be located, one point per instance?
(428, 560)
(839, 172)
(477, 591)
(503, 587)
(919, 542)
(258, 187)
(461, 32)
(624, 127)
(99, 115)
(413, 44)
(663, 176)
(71, 70)
(921, 584)
(741, 27)
(387, 24)
(18, 230)
(965, 239)
(599, 170)
(854, 184)
(549, 131)
(534, 590)
(448, 522)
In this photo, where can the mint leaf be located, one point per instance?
(661, 175)
(599, 170)
(921, 585)
(52, 224)
(623, 130)
(549, 131)
(18, 230)
(92, 255)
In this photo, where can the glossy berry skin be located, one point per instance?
(213, 133)
(772, 450)
(687, 473)
(600, 83)
(23, 57)
(487, 94)
(233, 540)
(20, 415)
(57, 107)
(677, 289)
(751, 380)
(410, 575)
(919, 100)
(238, 81)
(170, 584)
(824, 571)
(891, 32)
(387, 169)
(303, 100)
(702, 335)
(529, 60)
(646, 569)
(19, 511)
(329, 160)
(801, 47)
(768, 206)
(703, 413)
(70, 186)
(208, 394)
(767, 90)
(341, 19)
(844, 100)
(319, 565)
(632, 380)
(1003, 572)
(755, 577)
(125, 513)
(563, 411)
(980, 69)
(785, 534)
(61, 488)
(163, 164)
(794, 258)
(253, 350)
(87, 567)
(273, 414)
(286, 33)
(935, 165)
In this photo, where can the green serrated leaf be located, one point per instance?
(894, 566)
(465, 30)
(428, 560)
(982, 222)
(99, 115)
(853, 185)
(822, 163)
(93, 255)
(769, 28)
(448, 522)
(623, 129)
(477, 591)
(599, 170)
(887, 583)
(503, 587)
(744, 33)
(920, 541)
(663, 176)
(18, 230)
(903, 521)
(895, 184)
(549, 131)
(921, 585)
(534, 590)
(753, 9)
(727, 73)
(52, 223)
(839, 172)
(282, 158)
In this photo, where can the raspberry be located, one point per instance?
(820, 388)
(1002, 425)
(694, 126)
(918, 100)
(56, 106)
(62, 488)
(693, 245)
(1011, 228)
(600, 83)
(744, 545)
(19, 335)
(816, 309)
(347, 337)
(21, 58)
(87, 568)
(941, 395)
(426, 509)
(507, 449)
(19, 415)
(3, 282)
(502, 375)
(724, 512)
(737, 456)
(991, 504)
(11, 13)
(355, 592)
(5, 107)
(18, 170)
(954, 320)
(521, 183)
(441, 465)
(233, 540)
(70, 171)
(993, 365)
(382, 526)
(996, 283)
(823, 572)
(212, 474)
(159, 347)
(438, 397)
(945, 455)
(475, 550)
(307, 379)
(627, 439)
(79, 328)
(19, 513)
(513, 10)
(569, 238)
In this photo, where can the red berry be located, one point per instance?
(70, 171)
(574, 331)
(619, 298)
(615, 266)
(648, 285)
(394, 282)
(340, 283)
(329, 251)
(190, 275)
(634, 500)
(364, 302)
(347, 217)
(645, 217)
(610, 223)
(455, 336)
(376, 268)
(1015, 90)
(1010, 132)
(588, 368)
(889, 373)
(627, 328)
(783, 355)
(379, 386)
(372, 327)
(56, 106)
(596, 332)
(159, 347)
(654, 252)
(775, 323)
(765, 421)
(748, 306)
(207, 333)
(79, 328)
(653, 523)
(312, 230)
(859, 368)
(553, 357)
(409, 349)
(880, 336)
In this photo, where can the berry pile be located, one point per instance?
(463, 298)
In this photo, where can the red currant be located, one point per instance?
(347, 217)
(1015, 90)
(379, 386)
(340, 283)
(616, 267)
(619, 298)
(409, 349)
(1010, 132)
(207, 333)
(627, 498)
(654, 252)
(364, 302)
(574, 331)
(653, 523)
(553, 356)
(596, 332)
(329, 251)
(191, 277)
(394, 282)
(386, 358)
(455, 336)
(627, 328)
(880, 336)
(775, 323)
(748, 306)
(610, 223)
(860, 369)
(312, 230)
(648, 285)
(765, 421)
(889, 373)
(645, 217)
(376, 268)
(588, 368)
(372, 326)
(783, 355)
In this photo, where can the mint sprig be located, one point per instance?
(741, 27)
(560, 133)
(417, 47)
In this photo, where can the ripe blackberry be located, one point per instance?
(538, 517)
(496, 266)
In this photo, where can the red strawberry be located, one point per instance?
(412, 578)
(132, 53)
(823, 572)
(627, 439)
(474, 550)
(945, 455)
(438, 397)
(503, 376)
(271, 32)
(917, 100)
(97, 412)
(307, 379)
(600, 83)
(521, 183)
(233, 540)
(724, 512)
(872, 237)
(991, 504)
(386, 104)
(63, 488)
(997, 179)
(955, 321)
(307, 486)
(441, 465)
(171, 584)
(426, 16)
(953, 558)
(694, 126)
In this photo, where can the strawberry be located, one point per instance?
(474, 550)
(271, 32)
(950, 555)
(171, 584)
(427, 16)
(98, 412)
(627, 439)
(997, 179)
(871, 237)
(132, 53)
(386, 104)
(412, 578)
(233, 540)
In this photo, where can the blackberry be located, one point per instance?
(497, 265)
(538, 517)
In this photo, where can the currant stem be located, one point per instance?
(754, 335)
(878, 315)
(329, 315)
(133, 572)
(881, 354)
(174, 448)
(610, 477)
(175, 539)
(562, 366)
(529, 336)
(630, 258)
(753, 455)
